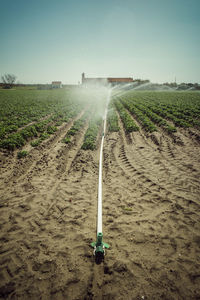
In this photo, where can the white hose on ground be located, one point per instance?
(99, 215)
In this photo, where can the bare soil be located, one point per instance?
(151, 201)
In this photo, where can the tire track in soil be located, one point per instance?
(145, 223)
(66, 159)
(167, 158)
(46, 163)
(44, 211)
(164, 145)
(171, 161)
(155, 173)
(168, 172)
(179, 153)
(52, 164)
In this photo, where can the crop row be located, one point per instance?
(90, 137)
(75, 128)
(20, 109)
(19, 139)
(180, 117)
(141, 117)
(40, 130)
(128, 122)
(164, 113)
(183, 109)
(112, 118)
(156, 118)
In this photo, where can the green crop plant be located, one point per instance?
(44, 136)
(11, 128)
(67, 140)
(40, 127)
(28, 132)
(51, 129)
(75, 128)
(14, 141)
(22, 154)
(36, 143)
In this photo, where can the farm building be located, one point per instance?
(111, 80)
(56, 84)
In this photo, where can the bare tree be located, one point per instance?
(8, 80)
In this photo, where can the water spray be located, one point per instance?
(99, 246)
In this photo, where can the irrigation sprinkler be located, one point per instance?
(99, 246)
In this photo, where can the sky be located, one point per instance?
(43, 40)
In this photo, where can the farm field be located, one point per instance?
(49, 152)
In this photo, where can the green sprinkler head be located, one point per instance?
(99, 247)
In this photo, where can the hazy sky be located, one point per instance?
(45, 40)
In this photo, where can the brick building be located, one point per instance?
(111, 80)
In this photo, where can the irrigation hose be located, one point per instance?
(99, 246)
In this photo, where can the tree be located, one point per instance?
(8, 80)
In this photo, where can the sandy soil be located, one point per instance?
(151, 201)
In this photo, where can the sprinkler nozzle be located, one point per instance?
(99, 246)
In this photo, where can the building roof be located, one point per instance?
(108, 79)
(94, 79)
(111, 79)
(56, 82)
